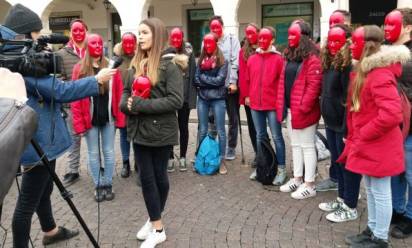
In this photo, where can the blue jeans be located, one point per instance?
(124, 144)
(379, 197)
(400, 183)
(218, 108)
(106, 134)
(259, 119)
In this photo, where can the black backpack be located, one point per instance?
(266, 162)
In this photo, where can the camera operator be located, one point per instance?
(46, 94)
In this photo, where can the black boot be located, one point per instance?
(403, 229)
(126, 169)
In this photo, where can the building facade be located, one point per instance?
(111, 18)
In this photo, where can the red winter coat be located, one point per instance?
(82, 119)
(304, 99)
(242, 77)
(374, 145)
(262, 79)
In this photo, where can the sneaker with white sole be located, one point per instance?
(343, 214)
(253, 176)
(281, 177)
(331, 206)
(171, 165)
(304, 191)
(154, 238)
(290, 186)
(144, 231)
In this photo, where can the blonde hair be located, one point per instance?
(373, 39)
(147, 62)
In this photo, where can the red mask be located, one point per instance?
(294, 33)
(216, 27)
(209, 44)
(251, 34)
(265, 38)
(336, 18)
(128, 44)
(358, 42)
(95, 45)
(393, 26)
(336, 40)
(176, 38)
(141, 87)
(78, 32)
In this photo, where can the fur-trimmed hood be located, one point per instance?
(180, 60)
(387, 56)
(271, 50)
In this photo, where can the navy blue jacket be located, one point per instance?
(211, 83)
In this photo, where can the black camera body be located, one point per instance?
(31, 58)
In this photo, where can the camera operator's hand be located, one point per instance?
(12, 85)
(105, 74)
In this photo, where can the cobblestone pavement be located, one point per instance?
(209, 211)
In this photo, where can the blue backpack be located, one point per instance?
(207, 156)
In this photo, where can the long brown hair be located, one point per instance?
(373, 39)
(147, 62)
(87, 69)
(247, 48)
(220, 59)
(306, 46)
(343, 58)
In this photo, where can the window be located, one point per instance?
(198, 26)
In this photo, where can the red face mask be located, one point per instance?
(336, 40)
(209, 44)
(358, 42)
(251, 34)
(176, 38)
(294, 33)
(393, 26)
(336, 18)
(78, 32)
(95, 45)
(216, 28)
(265, 38)
(141, 87)
(128, 44)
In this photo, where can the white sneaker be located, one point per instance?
(253, 175)
(144, 231)
(154, 238)
(280, 178)
(343, 214)
(290, 186)
(304, 191)
(331, 206)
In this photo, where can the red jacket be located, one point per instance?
(82, 119)
(374, 145)
(304, 99)
(262, 79)
(242, 77)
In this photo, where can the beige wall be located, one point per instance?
(4, 7)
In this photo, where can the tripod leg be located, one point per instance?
(241, 136)
(65, 194)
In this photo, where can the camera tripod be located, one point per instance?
(64, 193)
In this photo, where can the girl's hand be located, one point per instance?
(129, 103)
(247, 101)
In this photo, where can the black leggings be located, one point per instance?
(251, 127)
(183, 118)
(36, 188)
(152, 163)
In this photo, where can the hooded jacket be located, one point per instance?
(68, 60)
(374, 145)
(153, 122)
(262, 79)
(304, 96)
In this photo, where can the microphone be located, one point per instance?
(115, 62)
(53, 39)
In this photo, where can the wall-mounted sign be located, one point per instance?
(61, 22)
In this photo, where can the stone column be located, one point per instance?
(228, 10)
(327, 8)
(132, 12)
(404, 3)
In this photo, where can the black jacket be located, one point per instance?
(189, 90)
(405, 81)
(153, 122)
(333, 98)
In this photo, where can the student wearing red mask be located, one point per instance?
(210, 80)
(337, 66)
(96, 116)
(176, 40)
(374, 144)
(298, 101)
(248, 49)
(71, 54)
(340, 17)
(398, 28)
(230, 47)
(126, 50)
(262, 79)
